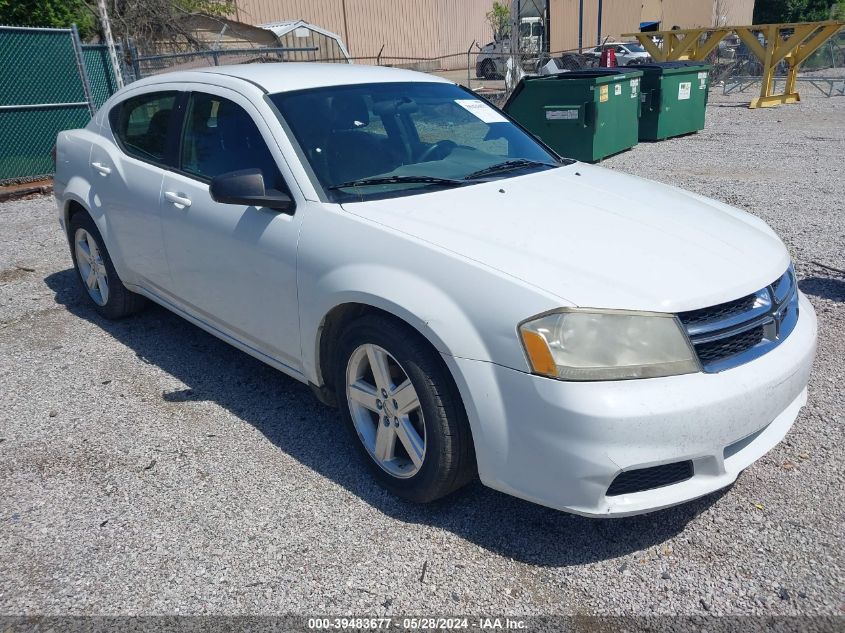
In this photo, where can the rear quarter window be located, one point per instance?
(142, 124)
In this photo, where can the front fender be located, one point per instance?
(462, 307)
(407, 296)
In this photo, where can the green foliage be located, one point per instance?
(49, 13)
(128, 16)
(499, 19)
(211, 7)
(779, 11)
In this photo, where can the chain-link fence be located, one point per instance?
(146, 65)
(49, 82)
(100, 72)
(494, 73)
(736, 69)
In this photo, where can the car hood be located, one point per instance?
(595, 237)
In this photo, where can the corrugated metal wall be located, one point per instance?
(692, 13)
(623, 16)
(405, 28)
(437, 28)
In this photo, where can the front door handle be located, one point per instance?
(102, 169)
(180, 200)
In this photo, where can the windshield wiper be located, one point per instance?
(399, 180)
(508, 165)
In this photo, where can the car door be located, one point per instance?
(232, 266)
(126, 175)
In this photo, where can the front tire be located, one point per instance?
(403, 410)
(488, 70)
(96, 273)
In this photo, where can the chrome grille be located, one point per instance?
(721, 311)
(736, 344)
(738, 331)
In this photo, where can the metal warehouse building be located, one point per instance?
(628, 16)
(440, 28)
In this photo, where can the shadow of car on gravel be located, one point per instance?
(288, 415)
(824, 288)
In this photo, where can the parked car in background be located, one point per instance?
(627, 53)
(473, 304)
(492, 58)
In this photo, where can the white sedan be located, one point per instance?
(627, 53)
(473, 304)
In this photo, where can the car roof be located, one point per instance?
(289, 76)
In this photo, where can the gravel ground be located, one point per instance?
(147, 468)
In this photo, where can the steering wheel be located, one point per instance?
(446, 145)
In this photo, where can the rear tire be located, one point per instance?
(406, 416)
(96, 273)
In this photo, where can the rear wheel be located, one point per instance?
(403, 410)
(96, 272)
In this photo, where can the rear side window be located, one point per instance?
(220, 136)
(141, 125)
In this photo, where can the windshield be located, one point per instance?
(407, 138)
(635, 48)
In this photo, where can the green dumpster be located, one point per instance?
(583, 114)
(674, 98)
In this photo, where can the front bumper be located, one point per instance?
(561, 444)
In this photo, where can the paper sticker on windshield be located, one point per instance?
(481, 110)
(684, 89)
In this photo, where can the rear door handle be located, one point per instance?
(102, 169)
(178, 199)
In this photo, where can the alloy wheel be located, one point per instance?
(91, 266)
(386, 411)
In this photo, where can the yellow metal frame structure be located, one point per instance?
(788, 43)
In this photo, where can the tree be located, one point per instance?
(158, 24)
(59, 14)
(816, 10)
(499, 19)
(150, 23)
(778, 11)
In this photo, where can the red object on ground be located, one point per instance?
(608, 58)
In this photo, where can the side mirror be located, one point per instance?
(246, 186)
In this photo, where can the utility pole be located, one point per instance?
(580, 26)
(598, 35)
(115, 63)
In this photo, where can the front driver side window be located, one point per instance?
(141, 125)
(220, 136)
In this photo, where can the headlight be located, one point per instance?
(575, 344)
